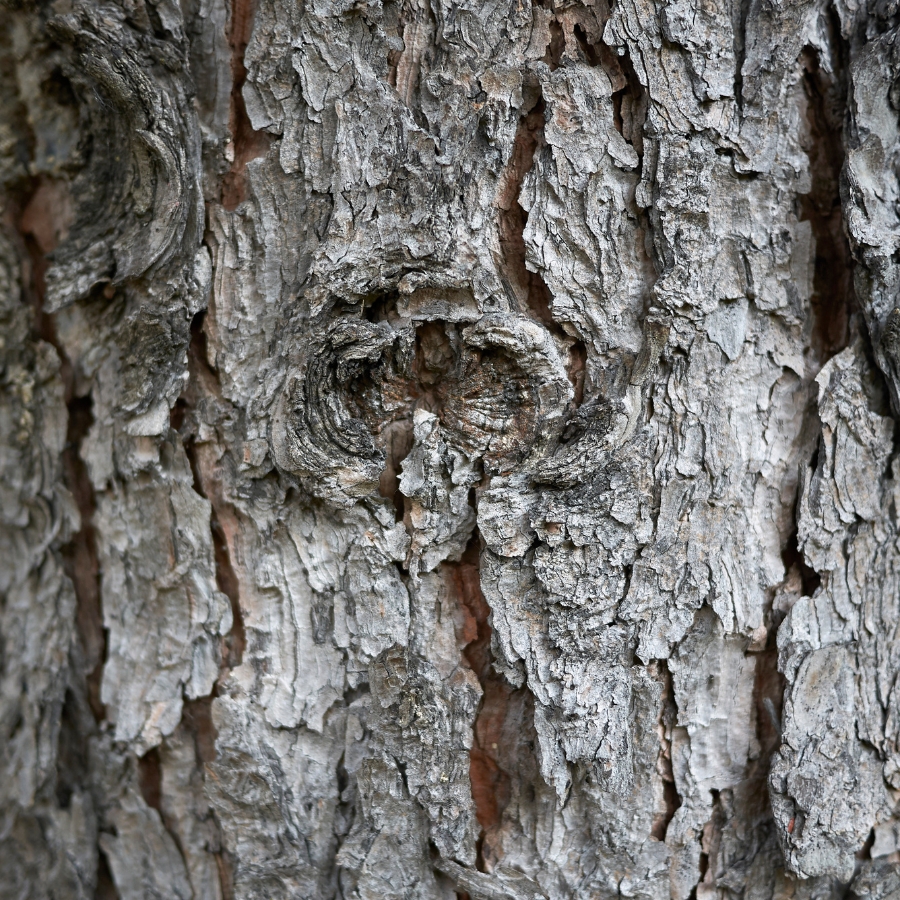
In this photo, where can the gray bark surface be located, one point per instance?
(449, 449)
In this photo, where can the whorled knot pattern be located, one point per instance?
(498, 388)
(313, 433)
(138, 201)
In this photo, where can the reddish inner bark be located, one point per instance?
(247, 144)
(494, 725)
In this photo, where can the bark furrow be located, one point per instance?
(449, 450)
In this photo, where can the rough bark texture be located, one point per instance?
(449, 449)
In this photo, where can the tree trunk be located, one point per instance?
(449, 449)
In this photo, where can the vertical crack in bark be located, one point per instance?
(106, 887)
(490, 784)
(225, 868)
(865, 852)
(768, 699)
(592, 52)
(556, 46)
(409, 29)
(43, 221)
(502, 723)
(80, 554)
(393, 432)
(149, 776)
(739, 14)
(499, 728)
(246, 143)
(394, 29)
(227, 582)
(629, 99)
(150, 768)
(710, 839)
(396, 440)
(833, 296)
(197, 718)
(629, 102)
(203, 381)
(345, 810)
(528, 287)
(832, 315)
(667, 717)
(630, 106)
(72, 760)
(795, 565)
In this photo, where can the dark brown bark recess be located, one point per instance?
(246, 143)
(448, 451)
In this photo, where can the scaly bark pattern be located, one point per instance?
(449, 449)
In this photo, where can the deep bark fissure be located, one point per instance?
(556, 46)
(40, 231)
(106, 886)
(795, 564)
(833, 311)
(590, 51)
(395, 28)
(667, 717)
(832, 301)
(739, 30)
(150, 784)
(490, 784)
(73, 765)
(865, 852)
(40, 226)
(630, 106)
(225, 869)
(433, 379)
(150, 779)
(768, 700)
(246, 142)
(413, 29)
(42, 222)
(201, 379)
(528, 286)
(629, 103)
(709, 843)
(196, 716)
(80, 554)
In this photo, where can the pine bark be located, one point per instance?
(449, 449)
